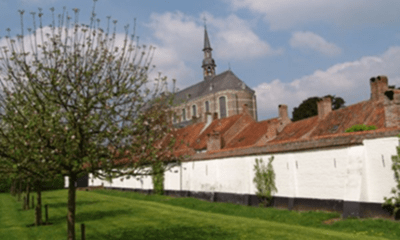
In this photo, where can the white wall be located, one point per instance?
(355, 173)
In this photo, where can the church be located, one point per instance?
(217, 96)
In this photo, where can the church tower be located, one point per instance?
(208, 62)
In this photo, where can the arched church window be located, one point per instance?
(194, 112)
(222, 107)
(207, 106)
(183, 115)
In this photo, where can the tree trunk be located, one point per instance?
(38, 220)
(19, 191)
(71, 207)
(13, 188)
(28, 191)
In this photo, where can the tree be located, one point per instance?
(76, 98)
(309, 107)
(264, 180)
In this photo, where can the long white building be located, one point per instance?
(318, 166)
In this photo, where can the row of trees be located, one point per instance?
(75, 100)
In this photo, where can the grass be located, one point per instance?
(127, 215)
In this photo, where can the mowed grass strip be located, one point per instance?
(108, 215)
(370, 227)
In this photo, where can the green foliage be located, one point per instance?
(53, 184)
(393, 203)
(360, 127)
(309, 107)
(5, 184)
(158, 178)
(264, 180)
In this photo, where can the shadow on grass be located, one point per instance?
(78, 204)
(91, 216)
(170, 232)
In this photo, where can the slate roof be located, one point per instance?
(223, 81)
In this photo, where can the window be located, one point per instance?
(194, 113)
(174, 117)
(222, 107)
(183, 115)
(207, 106)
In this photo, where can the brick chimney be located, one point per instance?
(379, 85)
(392, 108)
(195, 119)
(283, 112)
(283, 117)
(215, 116)
(214, 141)
(324, 107)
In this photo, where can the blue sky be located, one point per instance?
(286, 50)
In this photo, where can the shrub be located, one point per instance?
(158, 178)
(264, 180)
(360, 127)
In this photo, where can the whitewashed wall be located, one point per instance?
(357, 173)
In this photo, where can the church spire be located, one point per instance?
(208, 62)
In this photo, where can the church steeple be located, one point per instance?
(208, 62)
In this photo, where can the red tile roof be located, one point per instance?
(265, 133)
(219, 125)
(251, 134)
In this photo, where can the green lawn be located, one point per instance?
(126, 215)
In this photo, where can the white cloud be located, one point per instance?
(349, 80)
(284, 14)
(235, 39)
(314, 42)
(180, 40)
